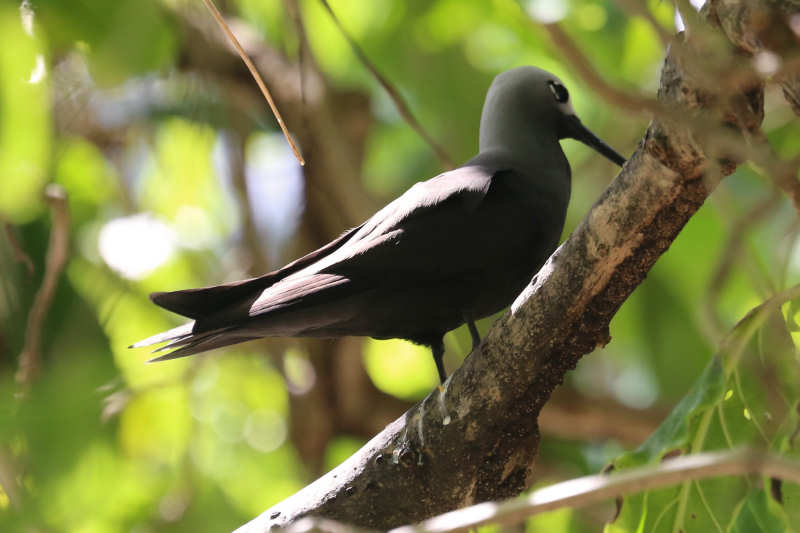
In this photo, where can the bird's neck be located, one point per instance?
(522, 139)
(535, 153)
(525, 150)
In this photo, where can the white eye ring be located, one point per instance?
(560, 92)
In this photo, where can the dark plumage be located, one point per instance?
(452, 249)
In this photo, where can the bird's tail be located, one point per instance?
(195, 337)
(188, 342)
(207, 305)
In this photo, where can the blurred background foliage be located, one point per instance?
(177, 176)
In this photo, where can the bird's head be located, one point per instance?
(530, 102)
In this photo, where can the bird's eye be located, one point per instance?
(559, 91)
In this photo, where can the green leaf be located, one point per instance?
(674, 433)
(759, 514)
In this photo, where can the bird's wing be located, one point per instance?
(416, 233)
(465, 187)
(468, 184)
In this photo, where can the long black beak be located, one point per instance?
(573, 128)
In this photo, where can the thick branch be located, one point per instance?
(476, 438)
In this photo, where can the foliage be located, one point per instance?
(170, 170)
(726, 408)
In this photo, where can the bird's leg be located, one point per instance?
(473, 331)
(438, 352)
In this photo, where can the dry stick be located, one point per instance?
(57, 250)
(401, 105)
(222, 24)
(592, 489)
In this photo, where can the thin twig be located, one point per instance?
(626, 100)
(261, 85)
(583, 491)
(19, 254)
(57, 251)
(592, 489)
(394, 94)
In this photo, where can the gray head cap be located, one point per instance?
(529, 106)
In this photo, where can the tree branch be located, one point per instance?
(57, 251)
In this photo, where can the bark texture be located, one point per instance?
(476, 439)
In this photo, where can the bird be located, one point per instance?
(452, 249)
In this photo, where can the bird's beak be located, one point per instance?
(573, 128)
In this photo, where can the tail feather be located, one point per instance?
(198, 303)
(199, 343)
(188, 342)
(174, 334)
(207, 305)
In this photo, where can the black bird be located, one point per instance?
(452, 249)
